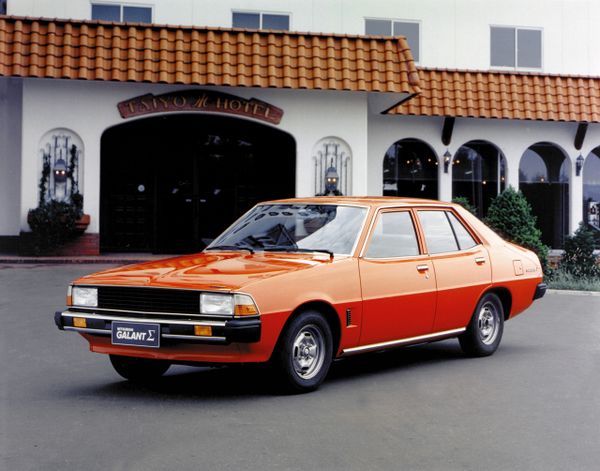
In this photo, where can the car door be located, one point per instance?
(462, 267)
(397, 280)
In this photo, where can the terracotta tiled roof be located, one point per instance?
(505, 95)
(92, 50)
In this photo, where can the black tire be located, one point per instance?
(304, 353)
(484, 332)
(139, 369)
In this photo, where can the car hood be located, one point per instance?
(215, 271)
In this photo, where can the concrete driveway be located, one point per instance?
(534, 405)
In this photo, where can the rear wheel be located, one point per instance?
(304, 353)
(485, 329)
(139, 369)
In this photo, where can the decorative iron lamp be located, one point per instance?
(331, 181)
(60, 171)
(579, 164)
(447, 159)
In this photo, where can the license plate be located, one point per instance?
(133, 333)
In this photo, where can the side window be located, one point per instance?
(465, 240)
(393, 236)
(438, 233)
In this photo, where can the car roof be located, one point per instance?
(375, 201)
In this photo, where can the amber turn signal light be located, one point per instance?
(203, 330)
(244, 306)
(80, 322)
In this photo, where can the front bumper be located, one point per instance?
(540, 290)
(224, 332)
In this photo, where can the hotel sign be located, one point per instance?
(200, 100)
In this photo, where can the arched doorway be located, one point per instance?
(544, 180)
(478, 174)
(410, 168)
(170, 184)
(591, 190)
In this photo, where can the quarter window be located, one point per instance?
(464, 238)
(438, 232)
(272, 21)
(515, 47)
(393, 236)
(408, 29)
(117, 12)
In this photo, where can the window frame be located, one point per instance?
(375, 221)
(516, 51)
(260, 14)
(121, 7)
(468, 228)
(399, 20)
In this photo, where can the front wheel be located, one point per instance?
(304, 353)
(485, 329)
(139, 369)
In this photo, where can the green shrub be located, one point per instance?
(52, 223)
(579, 259)
(510, 216)
(563, 280)
(465, 203)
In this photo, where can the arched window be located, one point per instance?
(478, 174)
(591, 190)
(410, 168)
(544, 180)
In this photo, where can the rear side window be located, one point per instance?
(465, 240)
(393, 236)
(438, 232)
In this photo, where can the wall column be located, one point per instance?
(575, 197)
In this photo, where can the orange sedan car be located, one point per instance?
(300, 282)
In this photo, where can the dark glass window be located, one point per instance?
(529, 48)
(465, 239)
(276, 22)
(408, 29)
(260, 21)
(411, 32)
(246, 20)
(106, 12)
(393, 236)
(137, 14)
(515, 47)
(121, 13)
(378, 27)
(438, 233)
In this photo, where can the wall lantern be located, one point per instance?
(579, 164)
(447, 158)
(60, 171)
(331, 181)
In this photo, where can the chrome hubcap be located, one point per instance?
(308, 352)
(488, 323)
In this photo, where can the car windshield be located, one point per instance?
(295, 228)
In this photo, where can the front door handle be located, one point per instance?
(422, 268)
(479, 260)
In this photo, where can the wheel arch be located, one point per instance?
(505, 297)
(329, 314)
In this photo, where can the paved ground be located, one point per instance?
(534, 405)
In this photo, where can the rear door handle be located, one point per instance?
(422, 267)
(479, 260)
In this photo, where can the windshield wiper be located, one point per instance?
(290, 248)
(229, 247)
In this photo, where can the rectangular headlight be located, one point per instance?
(216, 303)
(87, 297)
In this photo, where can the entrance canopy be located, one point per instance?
(96, 50)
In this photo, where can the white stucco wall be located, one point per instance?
(511, 137)
(454, 34)
(89, 108)
(10, 156)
